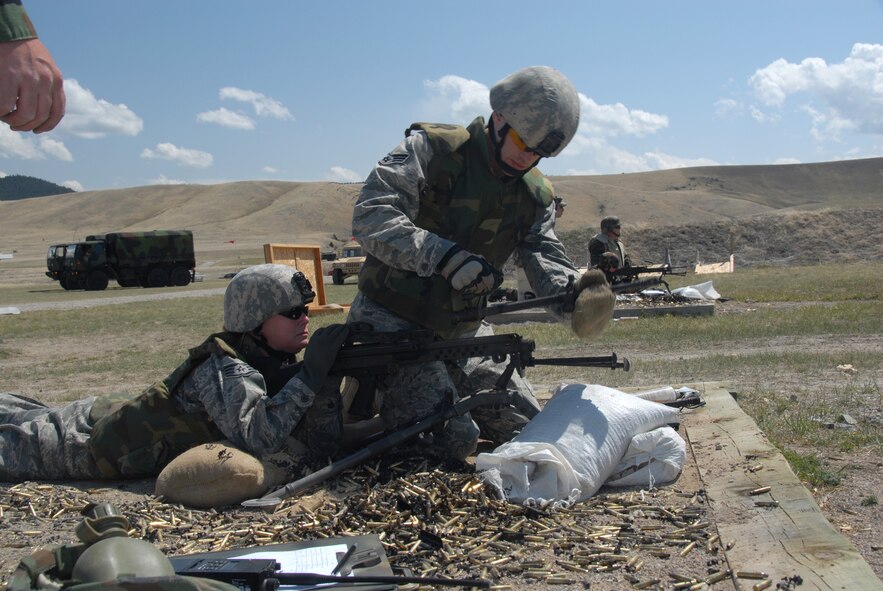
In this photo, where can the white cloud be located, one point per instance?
(26, 146)
(345, 175)
(162, 180)
(269, 170)
(786, 160)
(91, 118)
(183, 156)
(55, 148)
(617, 120)
(848, 95)
(3, 175)
(226, 118)
(724, 107)
(75, 185)
(263, 105)
(455, 98)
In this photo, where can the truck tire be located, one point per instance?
(96, 281)
(181, 276)
(157, 277)
(337, 276)
(65, 284)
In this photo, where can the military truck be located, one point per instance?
(348, 262)
(147, 259)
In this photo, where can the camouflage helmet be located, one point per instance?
(258, 292)
(610, 222)
(541, 105)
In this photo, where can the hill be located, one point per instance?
(16, 186)
(689, 209)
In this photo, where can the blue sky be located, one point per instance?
(198, 91)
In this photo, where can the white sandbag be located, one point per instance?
(566, 452)
(700, 291)
(653, 458)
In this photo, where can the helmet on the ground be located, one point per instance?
(258, 292)
(610, 222)
(609, 262)
(541, 105)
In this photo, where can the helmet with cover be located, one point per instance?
(609, 223)
(258, 292)
(541, 105)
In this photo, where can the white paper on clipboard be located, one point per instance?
(319, 560)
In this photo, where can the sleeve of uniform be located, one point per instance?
(384, 213)
(14, 22)
(239, 405)
(545, 262)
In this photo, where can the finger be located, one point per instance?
(56, 112)
(22, 119)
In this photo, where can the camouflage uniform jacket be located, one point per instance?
(14, 22)
(214, 394)
(431, 193)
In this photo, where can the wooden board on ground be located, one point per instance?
(306, 258)
(780, 531)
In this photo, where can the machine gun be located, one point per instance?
(369, 355)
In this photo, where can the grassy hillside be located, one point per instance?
(689, 209)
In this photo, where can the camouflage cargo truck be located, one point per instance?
(147, 259)
(348, 262)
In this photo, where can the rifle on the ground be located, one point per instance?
(368, 355)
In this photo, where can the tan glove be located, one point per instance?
(594, 305)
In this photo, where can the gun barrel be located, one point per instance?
(473, 314)
(611, 361)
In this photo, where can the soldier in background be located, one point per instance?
(438, 217)
(608, 240)
(560, 204)
(31, 86)
(244, 385)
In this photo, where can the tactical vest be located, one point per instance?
(140, 436)
(464, 202)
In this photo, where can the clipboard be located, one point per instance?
(366, 557)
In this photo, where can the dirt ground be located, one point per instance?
(34, 515)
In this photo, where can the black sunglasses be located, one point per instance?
(296, 312)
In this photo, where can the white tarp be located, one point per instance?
(700, 291)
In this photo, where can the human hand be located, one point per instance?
(470, 273)
(31, 87)
(320, 354)
(594, 304)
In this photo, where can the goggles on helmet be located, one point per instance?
(303, 285)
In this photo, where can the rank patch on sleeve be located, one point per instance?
(238, 370)
(393, 159)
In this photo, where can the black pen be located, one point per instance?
(342, 561)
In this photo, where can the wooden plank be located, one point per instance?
(793, 538)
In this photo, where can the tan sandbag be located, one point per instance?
(594, 305)
(212, 475)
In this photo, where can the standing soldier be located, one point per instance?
(438, 216)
